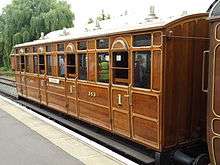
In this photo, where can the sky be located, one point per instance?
(84, 9)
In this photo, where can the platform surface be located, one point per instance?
(26, 139)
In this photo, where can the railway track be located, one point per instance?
(130, 150)
(8, 87)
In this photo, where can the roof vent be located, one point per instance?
(152, 14)
(184, 13)
(97, 25)
(42, 36)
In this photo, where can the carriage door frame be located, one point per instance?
(120, 89)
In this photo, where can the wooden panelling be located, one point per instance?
(157, 69)
(157, 38)
(91, 67)
(56, 88)
(216, 126)
(121, 123)
(145, 131)
(94, 114)
(91, 44)
(145, 105)
(216, 147)
(94, 94)
(57, 102)
(71, 89)
(123, 93)
(217, 81)
(43, 93)
(218, 32)
(71, 106)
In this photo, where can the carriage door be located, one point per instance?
(120, 91)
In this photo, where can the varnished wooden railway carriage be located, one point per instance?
(213, 119)
(146, 84)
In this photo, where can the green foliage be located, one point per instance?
(24, 20)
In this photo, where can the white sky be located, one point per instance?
(84, 9)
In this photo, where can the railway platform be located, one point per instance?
(28, 138)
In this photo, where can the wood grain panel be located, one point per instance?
(145, 105)
(71, 106)
(216, 143)
(91, 44)
(57, 102)
(216, 126)
(124, 102)
(71, 89)
(157, 38)
(145, 131)
(217, 81)
(121, 123)
(91, 67)
(157, 62)
(218, 32)
(94, 114)
(101, 94)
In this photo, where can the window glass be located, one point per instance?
(142, 40)
(35, 59)
(34, 49)
(48, 48)
(26, 50)
(120, 68)
(83, 66)
(17, 51)
(41, 64)
(61, 65)
(102, 44)
(142, 69)
(22, 64)
(49, 65)
(81, 45)
(103, 67)
(17, 63)
(60, 47)
(71, 65)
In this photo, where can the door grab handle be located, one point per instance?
(119, 99)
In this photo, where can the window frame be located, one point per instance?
(139, 34)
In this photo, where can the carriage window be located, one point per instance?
(27, 66)
(34, 49)
(35, 59)
(142, 40)
(48, 48)
(49, 65)
(17, 63)
(103, 67)
(81, 45)
(60, 47)
(142, 69)
(71, 65)
(41, 64)
(120, 68)
(17, 51)
(22, 64)
(83, 66)
(102, 44)
(26, 50)
(61, 66)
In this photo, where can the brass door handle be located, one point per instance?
(119, 99)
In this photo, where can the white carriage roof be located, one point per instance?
(102, 28)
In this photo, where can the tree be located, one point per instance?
(24, 20)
